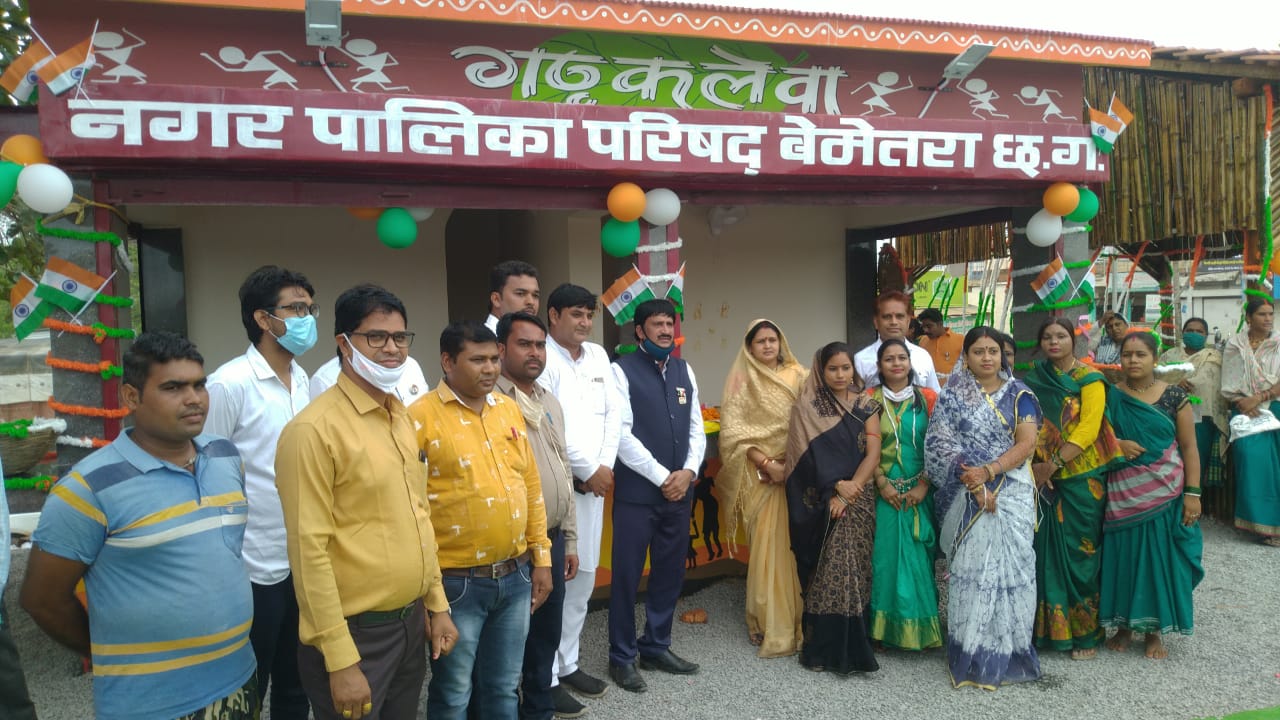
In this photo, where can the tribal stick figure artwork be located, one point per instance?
(111, 45)
(1032, 96)
(364, 53)
(232, 56)
(883, 87)
(981, 98)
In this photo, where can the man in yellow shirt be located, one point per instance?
(944, 346)
(359, 534)
(491, 525)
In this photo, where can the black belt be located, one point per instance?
(382, 617)
(493, 572)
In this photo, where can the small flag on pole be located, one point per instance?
(20, 78)
(28, 312)
(67, 69)
(675, 293)
(68, 285)
(1106, 127)
(1053, 283)
(625, 295)
(1088, 283)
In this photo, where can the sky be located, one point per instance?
(1225, 24)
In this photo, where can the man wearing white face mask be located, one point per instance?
(251, 399)
(353, 486)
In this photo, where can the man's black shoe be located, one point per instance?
(668, 662)
(566, 706)
(627, 677)
(584, 684)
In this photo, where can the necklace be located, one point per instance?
(1142, 389)
(1255, 343)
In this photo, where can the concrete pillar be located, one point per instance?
(1073, 247)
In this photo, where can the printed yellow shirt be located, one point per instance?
(482, 480)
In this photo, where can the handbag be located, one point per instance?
(1243, 426)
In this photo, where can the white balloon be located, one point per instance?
(420, 214)
(661, 207)
(44, 188)
(1044, 228)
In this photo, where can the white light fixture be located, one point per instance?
(958, 69)
(324, 23)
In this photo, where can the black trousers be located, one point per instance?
(15, 702)
(274, 636)
(540, 646)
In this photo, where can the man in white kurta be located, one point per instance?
(578, 374)
(892, 318)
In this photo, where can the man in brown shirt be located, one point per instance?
(522, 345)
(345, 466)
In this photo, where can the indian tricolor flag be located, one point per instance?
(68, 285)
(67, 68)
(1088, 283)
(1106, 127)
(675, 293)
(20, 78)
(28, 312)
(625, 295)
(1053, 283)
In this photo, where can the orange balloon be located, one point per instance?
(24, 150)
(1061, 198)
(626, 202)
(365, 213)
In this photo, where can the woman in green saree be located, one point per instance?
(904, 596)
(1075, 447)
(1251, 384)
(1151, 559)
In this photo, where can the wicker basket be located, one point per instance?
(20, 455)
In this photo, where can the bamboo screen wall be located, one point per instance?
(1190, 164)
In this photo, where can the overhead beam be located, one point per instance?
(989, 216)
(1232, 70)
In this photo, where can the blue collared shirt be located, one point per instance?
(169, 599)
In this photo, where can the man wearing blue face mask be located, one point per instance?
(251, 399)
(659, 452)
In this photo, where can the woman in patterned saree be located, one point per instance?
(1250, 383)
(1075, 447)
(1151, 558)
(904, 598)
(761, 387)
(833, 449)
(981, 435)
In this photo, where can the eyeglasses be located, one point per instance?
(378, 338)
(300, 309)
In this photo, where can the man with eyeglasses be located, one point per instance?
(251, 399)
(359, 529)
(491, 525)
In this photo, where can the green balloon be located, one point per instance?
(8, 180)
(396, 228)
(620, 239)
(1087, 208)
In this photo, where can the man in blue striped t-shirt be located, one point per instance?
(153, 523)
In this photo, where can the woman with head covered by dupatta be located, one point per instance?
(761, 387)
(981, 435)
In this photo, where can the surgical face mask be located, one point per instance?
(657, 352)
(299, 334)
(1194, 340)
(384, 378)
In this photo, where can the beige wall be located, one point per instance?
(334, 250)
(784, 263)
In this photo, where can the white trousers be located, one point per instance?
(577, 593)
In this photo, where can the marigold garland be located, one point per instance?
(87, 411)
(94, 237)
(99, 331)
(113, 300)
(105, 368)
(17, 429)
(85, 441)
(39, 482)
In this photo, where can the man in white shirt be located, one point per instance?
(892, 318)
(578, 374)
(513, 287)
(412, 386)
(251, 399)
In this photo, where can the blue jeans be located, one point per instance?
(492, 617)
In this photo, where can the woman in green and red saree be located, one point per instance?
(1075, 448)
(1151, 559)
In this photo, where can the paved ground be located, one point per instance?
(1231, 664)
